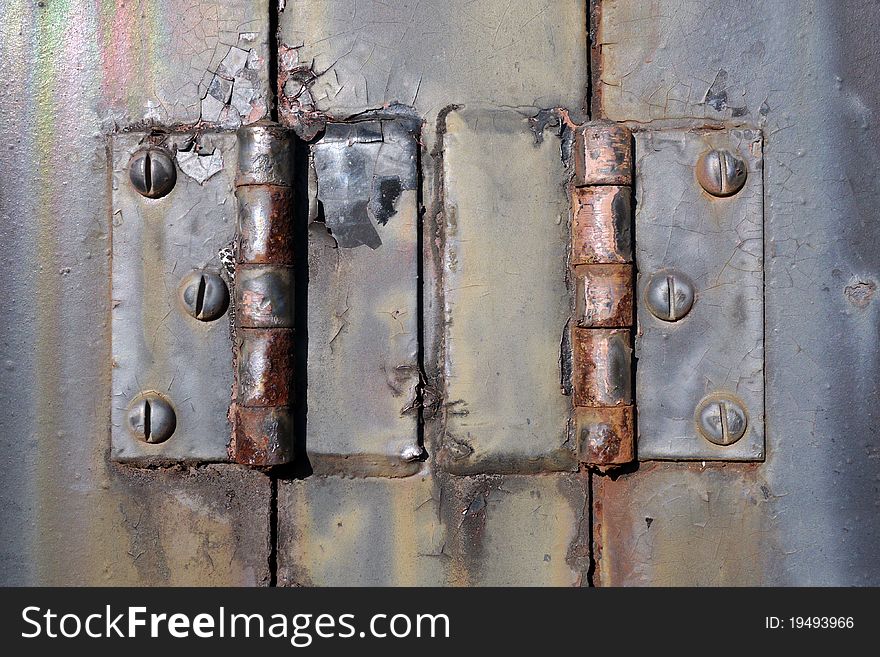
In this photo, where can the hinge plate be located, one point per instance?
(157, 347)
(713, 357)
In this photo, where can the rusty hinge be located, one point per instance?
(697, 307)
(601, 261)
(261, 412)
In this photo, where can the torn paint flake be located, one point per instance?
(296, 103)
(230, 94)
(363, 168)
(199, 166)
(234, 62)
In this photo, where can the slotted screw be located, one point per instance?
(669, 295)
(151, 418)
(721, 173)
(152, 172)
(204, 295)
(721, 419)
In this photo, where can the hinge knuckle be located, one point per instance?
(601, 260)
(261, 413)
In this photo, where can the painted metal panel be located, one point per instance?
(506, 304)
(348, 56)
(434, 530)
(72, 72)
(805, 73)
(363, 338)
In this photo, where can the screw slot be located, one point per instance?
(151, 418)
(152, 172)
(669, 295)
(204, 295)
(721, 419)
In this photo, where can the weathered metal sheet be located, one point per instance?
(363, 367)
(174, 61)
(424, 530)
(805, 74)
(346, 57)
(685, 525)
(156, 244)
(717, 244)
(506, 305)
(67, 515)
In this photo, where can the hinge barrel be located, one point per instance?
(262, 407)
(601, 261)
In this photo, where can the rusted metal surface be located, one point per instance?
(601, 367)
(162, 248)
(700, 290)
(264, 224)
(263, 296)
(603, 295)
(434, 530)
(601, 256)
(265, 367)
(505, 303)
(692, 525)
(262, 436)
(601, 228)
(264, 155)
(807, 515)
(605, 435)
(261, 409)
(602, 154)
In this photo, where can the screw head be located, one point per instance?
(669, 295)
(204, 295)
(721, 173)
(152, 172)
(721, 419)
(151, 418)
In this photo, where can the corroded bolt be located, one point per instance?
(152, 172)
(721, 419)
(721, 173)
(204, 295)
(669, 295)
(151, 418)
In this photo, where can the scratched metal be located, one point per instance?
(506, 302)
(67, 515)
(429, 55)
(437, 530)
(804, 72)
(717, 243)
(363, 368)
(156, 345)
(173, 61)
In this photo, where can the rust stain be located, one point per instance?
(265, 367)
(601, 227)
(601, 367)
(605, 436)
(603, 154)
(264, 213)
(604, 295)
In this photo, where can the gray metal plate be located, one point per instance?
(719, 345)
(505, 299)
(156, 345)
(363, 368)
